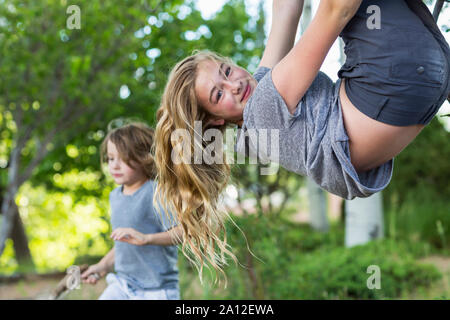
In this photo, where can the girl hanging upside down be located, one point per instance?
(343, 135)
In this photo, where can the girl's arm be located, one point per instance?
(293, 75)
(285, 17)
(171, 237)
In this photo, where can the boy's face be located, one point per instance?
(119, 170)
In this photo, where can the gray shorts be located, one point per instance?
(399, 73)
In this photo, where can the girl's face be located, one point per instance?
(223, 90)
(119, 170)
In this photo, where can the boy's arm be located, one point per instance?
(285, 18)
(96, 271)
(107, 262)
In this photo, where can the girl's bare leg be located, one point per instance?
(371, 142)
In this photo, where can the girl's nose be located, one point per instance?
(235, 86)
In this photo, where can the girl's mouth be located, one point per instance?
(246, 92)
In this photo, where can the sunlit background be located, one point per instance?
(64, 205)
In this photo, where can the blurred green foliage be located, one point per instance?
(46, 67)
(64, 206)
(62, 225)
(417, 200)
(297, 262)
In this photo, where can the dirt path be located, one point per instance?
(441, 262)
(38, 289)
(440, 289)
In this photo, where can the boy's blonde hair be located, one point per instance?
(191, 190)
(134, 144)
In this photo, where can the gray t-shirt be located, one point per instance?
(148, 266)
(312, 141)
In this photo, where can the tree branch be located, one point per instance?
(152, 10)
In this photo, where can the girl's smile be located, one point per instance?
(223, 90)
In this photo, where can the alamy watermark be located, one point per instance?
(74, 278)
(374, 281)
(74, 20)
(374, 21)
(209, 147)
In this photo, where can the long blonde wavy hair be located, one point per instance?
(192, 191)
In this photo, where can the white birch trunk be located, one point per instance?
(317, 207)
(363, 220)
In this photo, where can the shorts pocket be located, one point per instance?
(423, 73)
(416, 58)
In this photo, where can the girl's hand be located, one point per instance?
(93, 274)
(130, 236)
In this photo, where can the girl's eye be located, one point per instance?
(227, 71)
(219, 92)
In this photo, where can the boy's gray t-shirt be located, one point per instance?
(148, 266)
(312, 141)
